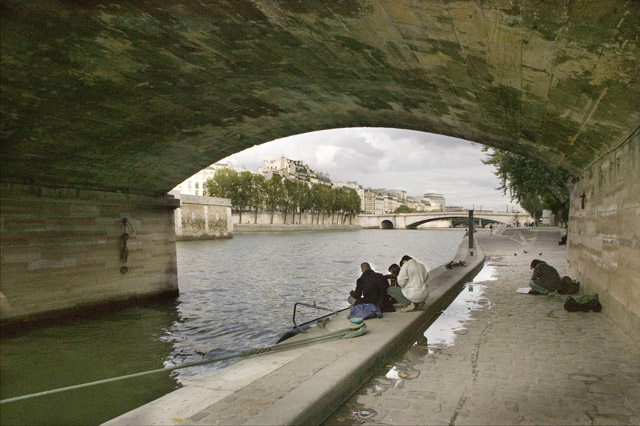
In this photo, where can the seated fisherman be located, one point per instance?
(371, 287)
(545, 278)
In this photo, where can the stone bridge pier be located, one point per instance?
(65, 251)
(107, 107)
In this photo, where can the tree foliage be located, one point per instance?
(352, 204)
(274, 193)
(291, 197)
(532, 183)
(250, 191)
(404, 209)
(224, 184)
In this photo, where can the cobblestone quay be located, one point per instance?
(523, 359)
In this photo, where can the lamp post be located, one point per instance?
(471, 230)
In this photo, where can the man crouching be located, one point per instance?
(412, 289)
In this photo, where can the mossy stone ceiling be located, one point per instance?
(138, 95)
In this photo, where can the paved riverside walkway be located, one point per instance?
(522, 359)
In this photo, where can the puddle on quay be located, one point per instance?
(439, 334)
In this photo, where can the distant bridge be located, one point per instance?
(413, 220)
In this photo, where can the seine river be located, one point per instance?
(234, 295)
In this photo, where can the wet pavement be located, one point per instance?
(495, 356)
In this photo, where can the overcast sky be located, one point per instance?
(416, 162)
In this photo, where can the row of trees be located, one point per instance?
(253, 192)
(532, 183)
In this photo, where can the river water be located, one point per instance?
(234, 295)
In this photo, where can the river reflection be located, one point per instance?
(68, 354)
(234, 295)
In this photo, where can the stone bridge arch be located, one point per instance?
(387, 224)
(414, 225)
(104, 108)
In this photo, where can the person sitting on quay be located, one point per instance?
(371, 288)
(545, 278)
(392, 279)
(392, 276)
(412, 289)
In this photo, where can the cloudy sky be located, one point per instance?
(416, 162)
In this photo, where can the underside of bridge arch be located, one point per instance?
(483, 223)
(386, 224)
(137, 96)
(132, 97)
(457, 220)
(415, 225)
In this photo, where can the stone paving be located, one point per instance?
(520, 359)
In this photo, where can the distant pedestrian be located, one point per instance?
(491, 229)
(545, 278)
(412, 289)
(563, 240)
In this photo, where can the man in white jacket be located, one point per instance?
(412, 288)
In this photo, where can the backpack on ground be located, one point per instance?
(586, 303)
(569, 286)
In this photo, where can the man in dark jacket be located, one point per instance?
(545, 278)
(371, 287)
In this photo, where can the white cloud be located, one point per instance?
(391, 158)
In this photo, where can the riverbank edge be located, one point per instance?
(317, 398)
(240, 228)
(328, 373)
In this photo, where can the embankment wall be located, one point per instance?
(604, 232)
(200, 218)
(61, 250)
(305, 221)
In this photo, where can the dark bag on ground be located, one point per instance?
(586, 303)
(568, 286)
(365, 311)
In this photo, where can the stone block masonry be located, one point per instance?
(203, 218)
(61, 250)
(604, 236)
(309, 220)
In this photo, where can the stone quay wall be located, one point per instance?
(61, 251)
(264, 221)
(604, 232)
(203, 218)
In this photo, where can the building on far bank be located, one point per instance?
(436, 200)
(372, 201)
(369, 201)
(390, 204)
(379, 205)
(293, 170)
(283, 167)
(196, 184)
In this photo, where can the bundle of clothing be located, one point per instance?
(586, 303)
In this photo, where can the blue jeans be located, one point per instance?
(538, 288)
